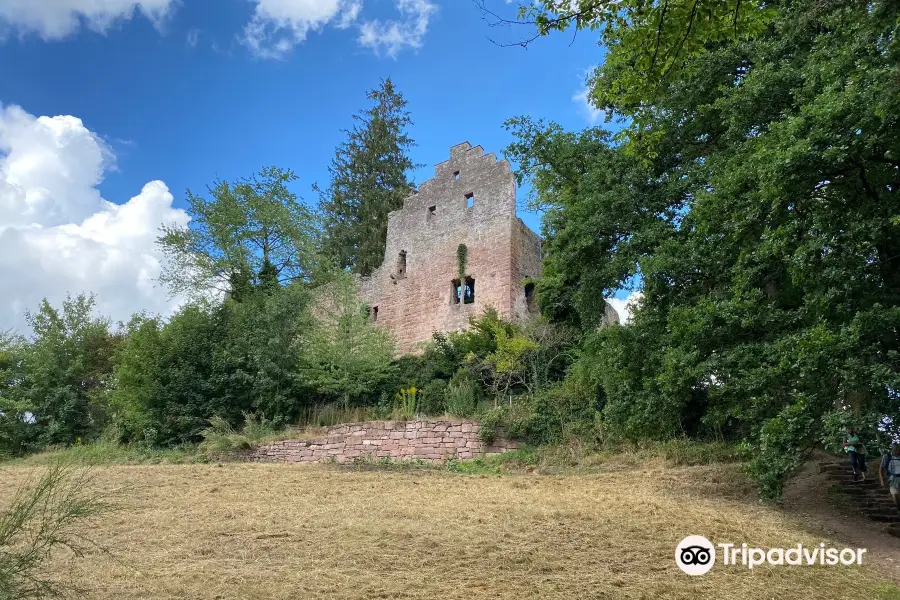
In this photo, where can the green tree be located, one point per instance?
(754, 197)
(250, 234)
(368, 180)
(169, 379)
(648, 43)
(16, 432)
(262, 350)
(345, 356)
(66, 370)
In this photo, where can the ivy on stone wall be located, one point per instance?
(462, 255)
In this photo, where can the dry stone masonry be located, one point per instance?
(430, 441)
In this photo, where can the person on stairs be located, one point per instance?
(854, 446)
(890, 471)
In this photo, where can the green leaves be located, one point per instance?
(755, 194)
(368, 180)
(345, 356)
(251, 234)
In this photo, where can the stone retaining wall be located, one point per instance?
(431, 441)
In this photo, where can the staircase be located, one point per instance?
(868, 496)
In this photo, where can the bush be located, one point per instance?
(784, 443)
(434, 397)
(462, 394)
(221, 437)
(489, 422)
(41, 519)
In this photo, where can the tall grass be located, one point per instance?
(221, 437)
(43, 517)
(335, 413)
(460, 397)
(106, 452)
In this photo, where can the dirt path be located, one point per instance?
(809, 498)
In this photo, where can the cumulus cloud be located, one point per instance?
(58, 19)
(279, 25)
(58, 235)
(625, 306)
(393, 35)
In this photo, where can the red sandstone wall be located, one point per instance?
(526, 262)
(419, 302)
(431, 441)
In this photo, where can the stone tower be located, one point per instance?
(418, 289)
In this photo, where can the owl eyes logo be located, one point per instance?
(695, 555)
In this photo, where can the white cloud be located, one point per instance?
(625, 306)
(58, 235)
(57, 19)
(193, 36)
(592, 114)
(582, 98)
(279, 25)
(394, 35)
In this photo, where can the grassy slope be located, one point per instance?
(281, 531)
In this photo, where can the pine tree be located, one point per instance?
(368, 180)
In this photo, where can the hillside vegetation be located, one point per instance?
(751, 196)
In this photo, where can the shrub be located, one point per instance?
(490, 421)
(784, 443)
(434, 397)
(462, 394)
(220, 436)
(42, 518)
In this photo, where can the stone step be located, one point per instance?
(876, 506)
(860, 485)
(884, 518)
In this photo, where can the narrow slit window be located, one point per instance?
(374, 314)
(456, 175)
(456, 291)
(432, 212)
(470, 200)
(401, 264)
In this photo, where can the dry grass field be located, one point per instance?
(253, 531)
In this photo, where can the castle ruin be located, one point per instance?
(468, 208)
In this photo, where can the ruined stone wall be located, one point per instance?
(412, 292)
(526, 263)
(431, 441)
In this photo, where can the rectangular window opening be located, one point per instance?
(470, 200)
(529, 297)
(432, 211)
(456, 175)
(469, 292)
(401, 264)
(374, 314)
(455, 291)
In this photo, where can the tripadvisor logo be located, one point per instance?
(696, 555)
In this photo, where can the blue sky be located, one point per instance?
(182, 92)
